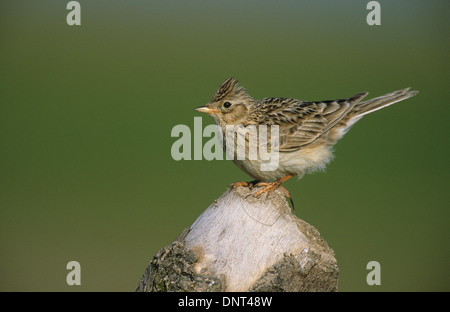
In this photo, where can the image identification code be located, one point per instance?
(226, 301)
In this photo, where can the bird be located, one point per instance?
(308, 130)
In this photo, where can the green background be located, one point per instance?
(86, 114)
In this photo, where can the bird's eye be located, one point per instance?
(226, 104)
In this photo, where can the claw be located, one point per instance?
(271, 186)
(235, 185)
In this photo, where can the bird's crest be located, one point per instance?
(225, 89)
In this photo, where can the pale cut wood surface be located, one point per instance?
(242, 243)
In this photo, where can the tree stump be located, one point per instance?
(242, 243)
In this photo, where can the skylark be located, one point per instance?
(308, 130)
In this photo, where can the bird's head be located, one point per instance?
(230, 105)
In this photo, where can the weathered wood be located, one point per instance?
(242, 243)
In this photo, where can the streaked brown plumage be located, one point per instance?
(308, 129)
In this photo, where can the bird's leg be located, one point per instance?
(247, 184)
(271, 186)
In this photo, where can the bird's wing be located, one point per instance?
(301, 123)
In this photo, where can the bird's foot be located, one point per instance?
(272, 186)
(269, 187)
(237, 184)
(250, 184)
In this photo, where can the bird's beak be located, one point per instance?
(208, 110)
